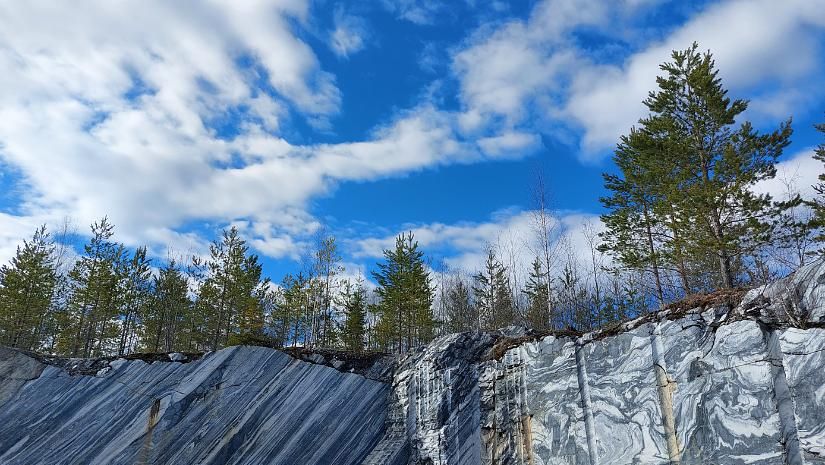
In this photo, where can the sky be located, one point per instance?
(362, 119)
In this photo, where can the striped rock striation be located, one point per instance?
(241, 405)
(721, 383)
(711, 381)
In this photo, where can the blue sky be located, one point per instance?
(363, 119)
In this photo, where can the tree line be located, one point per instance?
(112, 301)
(683, 215)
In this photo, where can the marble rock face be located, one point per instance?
(743, 385)
(708, 386)
(241, 405)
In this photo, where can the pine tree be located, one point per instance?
(492, 294)
(354, 302)
(635, 235)
(231, 291)
(461, 314)
(26, 288)
(290, 321)
(134, 295)
(167, 319)
(405, 297)
(91, 321)
(718, 164)
(538, 314)
(573, 298)
(690, 171)
(818, 204)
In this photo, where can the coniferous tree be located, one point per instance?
(90, 326)
(573, 298)
(538, 312)
(230, 293)
(26, 287)
(354, 302)
(697, 170)
(635, 235)
(718, 163)
(405, 296)
(461, 314)
(492, 294)
(292, 309)
(167, 319)
(135, 292)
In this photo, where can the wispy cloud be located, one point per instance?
(349, 34)
(420, 12)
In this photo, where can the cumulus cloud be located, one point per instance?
(102, 118)
(796, 175)
(179, 129)
(463, 245)
(534, 69)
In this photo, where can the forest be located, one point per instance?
(681, 217)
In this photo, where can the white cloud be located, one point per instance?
(753, 42)
(348, 35)
(502, 70)
(12, 230)
(511, 143)
(796, 175)
(532, 70)
(463, 245)
(422, 12)
(102, 118)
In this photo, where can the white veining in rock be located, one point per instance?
(717, 385)
(241, 405)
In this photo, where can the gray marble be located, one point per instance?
(803, 356)
(240, 405)
(556, 409)
(710, 386)
(625, 400)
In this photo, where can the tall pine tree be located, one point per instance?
(167, 319)
(691, 168)
(135, 292)
(459, 312)
(26, 287)
(354, 302)
(493, 297)
(90, 325)
(230, 294)
(538, 314)
(405, 294)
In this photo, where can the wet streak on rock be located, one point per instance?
(587, 405)
(146, 450)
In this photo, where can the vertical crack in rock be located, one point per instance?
(587, 404)
(784, 401)
(665, 386)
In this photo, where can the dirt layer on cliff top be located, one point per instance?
(695, 303)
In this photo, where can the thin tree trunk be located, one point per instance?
(654, 259)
